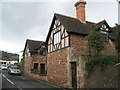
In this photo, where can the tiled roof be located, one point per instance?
(74, 25)
(33, 45)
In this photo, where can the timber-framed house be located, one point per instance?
(67, 49)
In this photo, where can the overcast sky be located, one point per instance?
(31, 20)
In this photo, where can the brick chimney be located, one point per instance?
(80, 10)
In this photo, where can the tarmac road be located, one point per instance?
(15, 82)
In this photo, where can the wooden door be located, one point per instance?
(74, 74)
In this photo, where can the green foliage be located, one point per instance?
(118, 39)
(101, 61)
(6, 55)
(95, 41)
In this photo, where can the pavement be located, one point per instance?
(15, 82)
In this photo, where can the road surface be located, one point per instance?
(15, 82)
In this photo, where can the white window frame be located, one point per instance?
(57, 38)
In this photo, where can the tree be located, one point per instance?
(95, 41)
(118, 40)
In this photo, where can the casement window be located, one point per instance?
(57, 37)
(42, 69)
(35, 66)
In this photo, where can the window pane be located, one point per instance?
(42, 68)
(57, 38)
(35, 65)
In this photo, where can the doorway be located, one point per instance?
(74, 74)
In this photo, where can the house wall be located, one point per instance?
(29, 64)
(57, 67)
(40, 59)
(58, 62)
(78, 52)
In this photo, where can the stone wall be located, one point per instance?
(110, 48)
(40, 59)
(27, 65)
(108, 78)
(35, 58)
(37, 76)
(57, 67)
(58, 62)
(78, 52)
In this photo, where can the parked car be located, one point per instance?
(14, 70)
(10, 65)
(4, 67)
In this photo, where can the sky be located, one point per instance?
(31, 19)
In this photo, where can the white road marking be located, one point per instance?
(20, 88)
(3, 75)
(11, 81)
(8, 79)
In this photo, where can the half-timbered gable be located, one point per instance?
(58, 37)
(61, 28)
(103, 27)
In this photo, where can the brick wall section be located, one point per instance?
(78, 45)
(58, 62)
(57, 67)
(79, 52)
(40, 59)
(36, 58)
(37, 76)
(27, 65)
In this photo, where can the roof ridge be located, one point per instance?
(34, 40)
(74, 18)
(67, 16)
(101, 21)
(91, 22)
